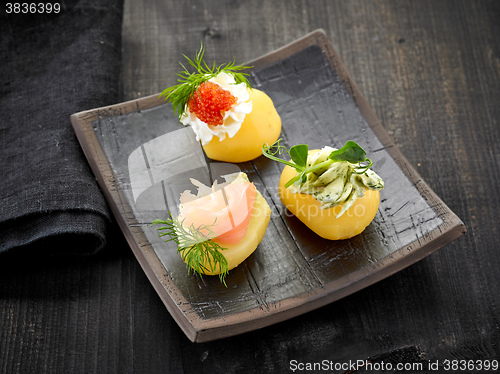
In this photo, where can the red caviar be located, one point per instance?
(209, 103)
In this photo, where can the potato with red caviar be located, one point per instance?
(229, 118)
(332, 191)
(261, 125)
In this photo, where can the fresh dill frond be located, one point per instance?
(180, 94)
(195, 246)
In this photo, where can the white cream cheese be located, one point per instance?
(233, 118)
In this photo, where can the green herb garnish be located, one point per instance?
(180, 94)
(350, 152)
(195, 247)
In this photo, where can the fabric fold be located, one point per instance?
(53, 67)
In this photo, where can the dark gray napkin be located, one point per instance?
(53, 66)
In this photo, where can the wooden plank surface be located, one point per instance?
(431, 71)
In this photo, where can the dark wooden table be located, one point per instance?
(431, 71)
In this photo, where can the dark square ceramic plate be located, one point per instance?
(138, 152)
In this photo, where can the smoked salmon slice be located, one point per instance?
(226, 210)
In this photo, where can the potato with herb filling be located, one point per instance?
(329, 190)
(325, 222)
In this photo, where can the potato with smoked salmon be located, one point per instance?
(230, 119)
(220, 226)
(333, 192)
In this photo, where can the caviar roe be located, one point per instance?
(210, 102)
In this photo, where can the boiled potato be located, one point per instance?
(236, 253)
(261, 125)
(323, 221)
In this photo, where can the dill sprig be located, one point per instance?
(195, 246)
(180, 94)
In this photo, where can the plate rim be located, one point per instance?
(199, 329)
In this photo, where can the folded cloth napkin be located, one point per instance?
(54, 65)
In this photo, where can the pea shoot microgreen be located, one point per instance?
(180, 94)
(350, 152)
(195, 246)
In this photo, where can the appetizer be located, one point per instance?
(230, 119)
(332, 191)
(220, 226)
